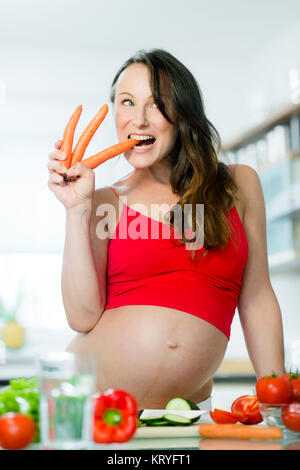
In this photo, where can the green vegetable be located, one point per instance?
(177, 420)
(22, 396)
(181, 404)
(151, 419)
(158, 423)
(161, 417)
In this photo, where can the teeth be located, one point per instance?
(141, 137)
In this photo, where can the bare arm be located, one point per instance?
(83, 279)
(81, 294)
(258, 307)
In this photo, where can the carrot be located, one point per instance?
(100, 157)
(87, 134)
(238, 444)
(239, 431)
(68, 137)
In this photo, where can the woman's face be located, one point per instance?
(137, 114)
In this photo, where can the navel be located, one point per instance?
(172, 344)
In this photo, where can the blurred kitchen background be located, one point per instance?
(56, 55)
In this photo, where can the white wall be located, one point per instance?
(269, 73)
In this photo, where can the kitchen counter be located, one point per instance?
(288, 442)
(191, 441)
(20, 363)
(187, 438)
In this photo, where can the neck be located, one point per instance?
(157, 173)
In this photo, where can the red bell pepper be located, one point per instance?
(115, 416)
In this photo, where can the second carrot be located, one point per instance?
(87, 134)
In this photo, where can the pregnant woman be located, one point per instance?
(156, 313)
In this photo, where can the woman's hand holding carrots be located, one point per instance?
(72, 193)
(71, 178)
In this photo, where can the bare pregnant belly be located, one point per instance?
(154, 353)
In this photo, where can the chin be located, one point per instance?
(140, 161)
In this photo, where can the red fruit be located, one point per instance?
(246, 409)
(16, 431)
(291, 416)
(274, 389)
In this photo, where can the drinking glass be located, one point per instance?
(67, 384)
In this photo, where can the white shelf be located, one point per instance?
(22, 362)
(286, 203)
(14, 371)
(285, 261)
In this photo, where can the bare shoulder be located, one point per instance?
(251, 188)
(250, 192)
(107, 194)
(256, 271)
(243, 171)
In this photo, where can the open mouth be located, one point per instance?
(144, 140)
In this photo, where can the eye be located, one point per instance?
(125, 101)
(152, 105)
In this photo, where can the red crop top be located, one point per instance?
(156, 271)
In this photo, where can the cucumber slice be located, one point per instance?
(177, 420)
(193, 405)
(150, 419)
(158, 423)
(155, 415)
(181, 404)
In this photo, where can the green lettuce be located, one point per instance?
(22, 396)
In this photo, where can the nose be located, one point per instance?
(139, 118)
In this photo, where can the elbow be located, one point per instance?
(80, 328)
(86, 324)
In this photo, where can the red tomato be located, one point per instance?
(16, 431)
(291, 416)
(246, 409)
(274, 390)
(222, 417)
(294, 379)
(295, 384)
(287, 375)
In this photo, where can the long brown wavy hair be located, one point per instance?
(196, 174)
